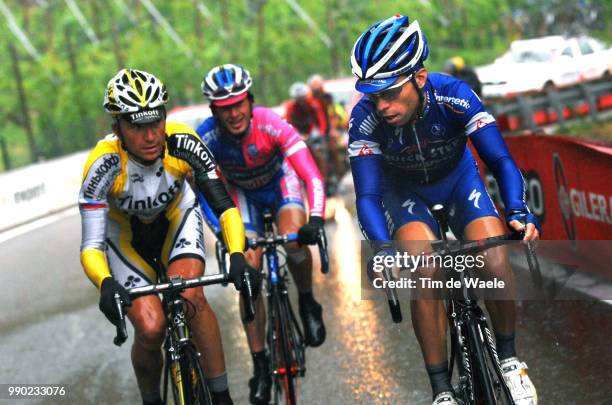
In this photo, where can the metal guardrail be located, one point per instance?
(524, 106)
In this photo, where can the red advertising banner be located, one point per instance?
(569, 187)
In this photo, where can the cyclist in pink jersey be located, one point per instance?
(263, 159)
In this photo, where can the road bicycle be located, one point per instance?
(473, 352)
(182, 370)
(284, 336)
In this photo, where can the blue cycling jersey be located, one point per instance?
(428, 151)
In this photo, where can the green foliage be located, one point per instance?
(64, 89)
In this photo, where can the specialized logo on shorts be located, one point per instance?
(104, 169)
(475, 196)
(410, 204)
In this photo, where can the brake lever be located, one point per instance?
(247, 294)
(121, 327)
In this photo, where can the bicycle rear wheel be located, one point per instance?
(187, 379)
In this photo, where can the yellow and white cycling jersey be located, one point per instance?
(123, 202)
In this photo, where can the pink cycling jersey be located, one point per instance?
(256, 160)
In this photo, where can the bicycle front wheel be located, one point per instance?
(187, 379)
(285, 367)
(489, 382)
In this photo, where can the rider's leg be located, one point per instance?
(299, 258)
(203, 322)
(147, 316)
(497, 264)
(260, 383)
(428, 314)
(299, 261)
(250, 211)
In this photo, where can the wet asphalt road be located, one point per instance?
(52, 332)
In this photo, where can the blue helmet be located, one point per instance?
(226, 84)
(388, 49)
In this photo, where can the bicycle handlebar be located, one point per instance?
(261, 241)
(456, 247)
(254, 243)
(179, 284)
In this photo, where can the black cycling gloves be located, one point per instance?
(107, 305)
(309, 233)
(238, 267)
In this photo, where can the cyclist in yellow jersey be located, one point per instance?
(136, 206)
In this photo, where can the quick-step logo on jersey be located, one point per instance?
(369, 123)
(191, 149)
(100, 175)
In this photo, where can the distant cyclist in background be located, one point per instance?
(338, 126)
(456, 67)
(325, 101)
(136, 207)
(263, 159)
(307, 116)
(408, 150)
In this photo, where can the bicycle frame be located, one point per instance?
(278, 333)
(177, 337)
(472, 344)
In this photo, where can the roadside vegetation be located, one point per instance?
(52, 79)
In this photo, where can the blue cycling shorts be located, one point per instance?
(279, 194)
(462, 193)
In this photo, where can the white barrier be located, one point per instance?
(40, 189)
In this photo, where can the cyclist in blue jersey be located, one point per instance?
(408, 151)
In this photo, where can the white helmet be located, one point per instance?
(298, 90)
(135, 91)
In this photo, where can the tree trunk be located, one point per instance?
(23, 103)
(197, 25)
(330, 6)
(225, 21)
(261, 52)
(5, 155)
(115, 36)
